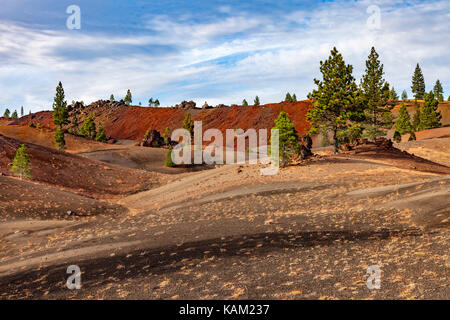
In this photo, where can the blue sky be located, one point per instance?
(215, 51)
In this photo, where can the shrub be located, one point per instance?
(21, 162)
(169, 163)
(101, 135)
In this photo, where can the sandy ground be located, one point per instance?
(309, 232)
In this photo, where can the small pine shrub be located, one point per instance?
(21, 162)
(169, 163)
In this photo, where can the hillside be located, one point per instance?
(131, 122)
(75, 173)
(444, 108)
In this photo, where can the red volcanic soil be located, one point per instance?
(43, 118)
(131, 122)
(3, 121)
(76, 173)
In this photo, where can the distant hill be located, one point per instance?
(131, 122)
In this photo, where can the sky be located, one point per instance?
(209, 50)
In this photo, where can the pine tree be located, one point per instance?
(418, 84)
(150, 102)
(288, 138)
(403, 123)
(21, 111)
(245, 103)
(430, 118)
(60, 142)
(111, 98)
(21, 163)
(128, 98)
(393, 95)
(256, 101)
(157, 104)
(416, 120)
(404, 95)
(294, 98)
(101, 134)
(60, 114)
(412, 136)
(88, 129)
(288, 97)
(166, 135)
(7, 114)
(336, 103)
(438, 91)
(375, 93)
(14, 115)
(169, 162)
(188, 124)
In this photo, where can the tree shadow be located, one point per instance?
(144, 262)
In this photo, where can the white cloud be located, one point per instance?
(224, 61)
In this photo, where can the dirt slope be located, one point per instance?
(444, 108)
(131, 122)
(75, 173)
(45, 137)
(25, 200)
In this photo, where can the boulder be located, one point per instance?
(186, 105)
(206, 106)
(152, 139)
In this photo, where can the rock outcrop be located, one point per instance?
(186, 105)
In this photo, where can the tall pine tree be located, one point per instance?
(336, 102)
(404, 95)
(128, 98)
(403, 123)
(6, 114)
(60, 116)
(375, 94)
(418, 84)
(430, 118)
(288, 97)
(438, 91)
(393, 94)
